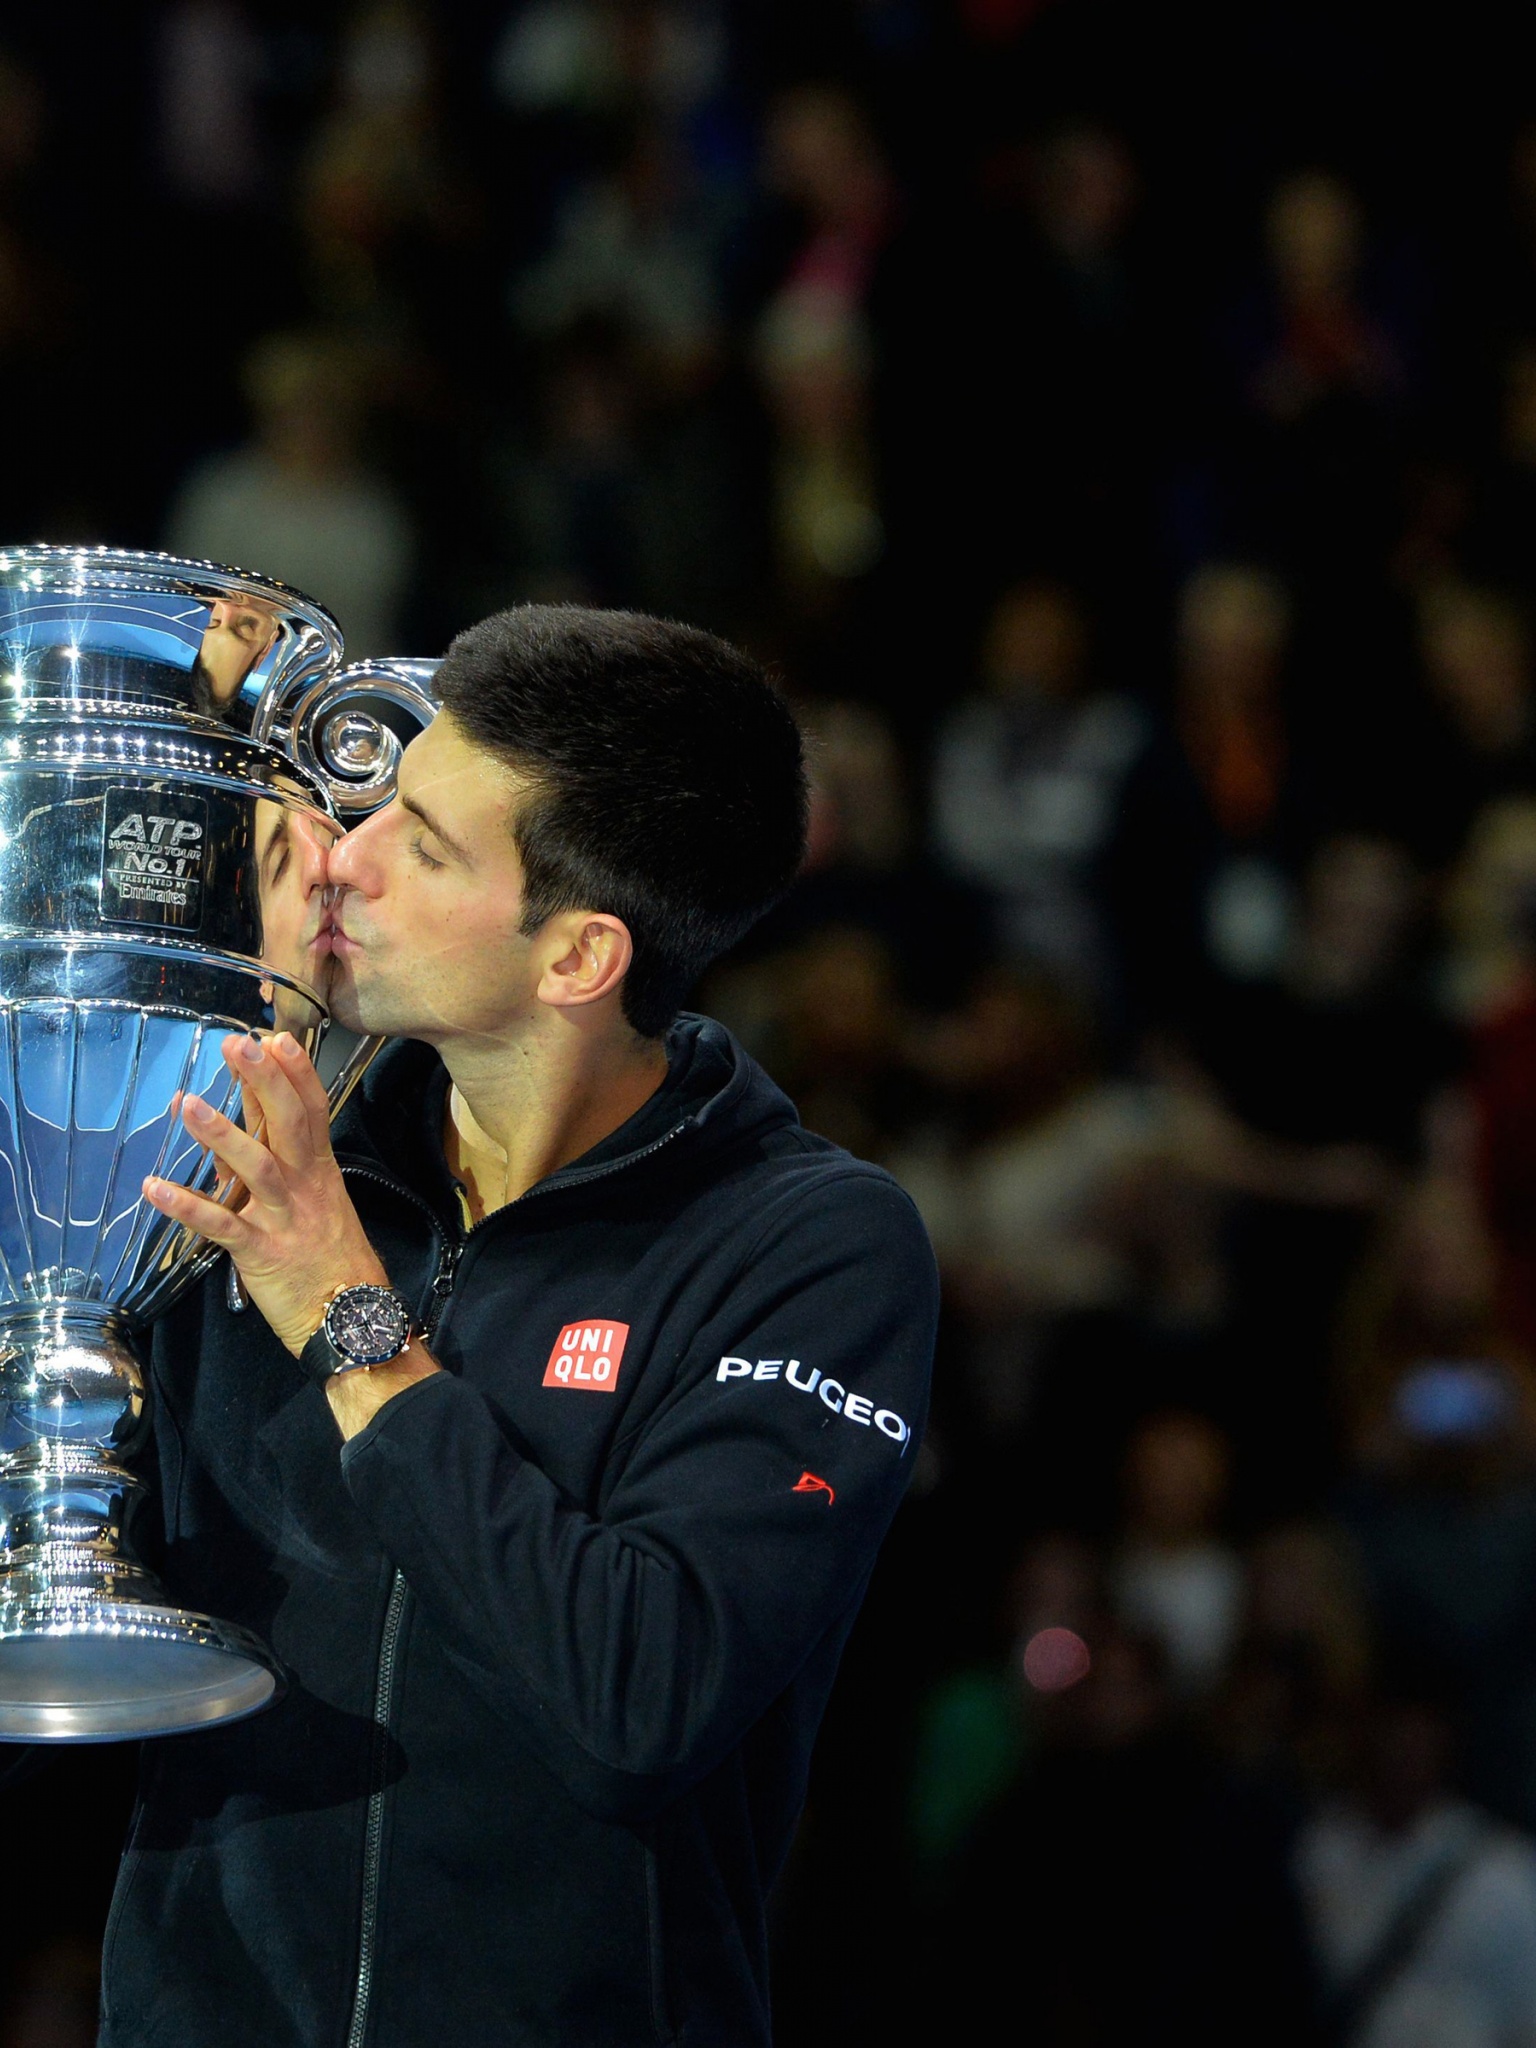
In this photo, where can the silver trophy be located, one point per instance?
(174, 738)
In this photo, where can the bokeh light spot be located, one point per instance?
(1055, 1659)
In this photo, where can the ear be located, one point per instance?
(586, 954)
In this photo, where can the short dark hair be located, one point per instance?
(668, 780)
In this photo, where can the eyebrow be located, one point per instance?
(417, 810)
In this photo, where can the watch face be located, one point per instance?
(368, 1325)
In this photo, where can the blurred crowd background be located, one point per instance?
(1118, 425)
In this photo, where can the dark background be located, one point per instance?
(1118, 425)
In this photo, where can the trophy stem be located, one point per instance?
(91, 1649)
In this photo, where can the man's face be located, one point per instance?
(237, 637)
(425, 935)
(292, 848)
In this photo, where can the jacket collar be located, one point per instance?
(714, 1094)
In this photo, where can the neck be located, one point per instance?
(522, 1109)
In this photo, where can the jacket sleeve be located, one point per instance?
(638, 1644)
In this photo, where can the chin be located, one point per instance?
(353, 1011)
(345, 1010)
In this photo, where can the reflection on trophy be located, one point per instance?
(177, 749)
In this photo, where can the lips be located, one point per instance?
(333, 936)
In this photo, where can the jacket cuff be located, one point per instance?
(356, 1446)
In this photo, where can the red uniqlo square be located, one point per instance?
(587, 1355)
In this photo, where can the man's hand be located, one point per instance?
(295, 1236)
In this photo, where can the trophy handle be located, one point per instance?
(337, 732)
(351, 1071)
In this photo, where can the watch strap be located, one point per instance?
(321, 1361)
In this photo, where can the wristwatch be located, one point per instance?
(361, 1326)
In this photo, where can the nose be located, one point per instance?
(350, 862)
(311, 840)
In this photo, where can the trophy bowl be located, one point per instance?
(155, 821)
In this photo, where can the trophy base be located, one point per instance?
(91, 1650)
(119, 1670)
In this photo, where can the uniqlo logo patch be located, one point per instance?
(587, 1355)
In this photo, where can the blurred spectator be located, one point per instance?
(1305, 1101)
(1325, 357)
(1491, 979)
(579, 81)
(1422, 1909)
(813, 356)
(1490, 913)
(858, 798)
(1326, 1065)
(1026, 783)
(1426, 1295)
(635, 247)
(821, 156)
(1302, 1660)
(1174, 1578)
(382, 211)
(1327, 343)
(813, 344)
(211, 69)
(1022, 1208)
(836, 1042)
(863, 869)
(576, 498)
(1217, 809)
(1338, 1045)
(1475, 647)
(823, 997)
(1443, 1509)
(299, 501)
(1054, 1194)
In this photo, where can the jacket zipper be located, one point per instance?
(580, 1180)
(394, 1614)
(373, 1838)
(384, 1675)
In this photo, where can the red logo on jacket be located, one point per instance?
(587, 1355)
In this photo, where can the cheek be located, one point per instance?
(464, 938)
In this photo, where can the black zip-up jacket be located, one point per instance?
(560, 1624)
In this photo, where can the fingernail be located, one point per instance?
(286, 1044)
(197, 1110)
(249, 1050)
